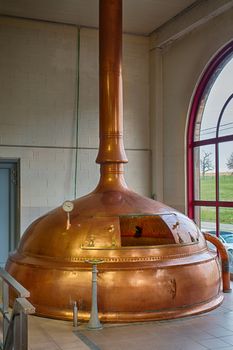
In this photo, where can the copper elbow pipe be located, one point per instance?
(224, 259)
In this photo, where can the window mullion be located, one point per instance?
(217, 186)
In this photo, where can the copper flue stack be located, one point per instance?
(156, 264)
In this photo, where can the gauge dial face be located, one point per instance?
(68, 206)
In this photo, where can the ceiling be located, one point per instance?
(139, 16)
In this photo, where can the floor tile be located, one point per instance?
(228, 340)
(216, 343)
(220, 332)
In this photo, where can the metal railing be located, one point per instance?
(15, 322)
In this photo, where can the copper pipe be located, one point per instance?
(111, 149)
(111, 177)
(224, 260)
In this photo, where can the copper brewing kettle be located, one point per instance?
(156, 263)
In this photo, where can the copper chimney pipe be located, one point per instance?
(155, 263)
(111, 154)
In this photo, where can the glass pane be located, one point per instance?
(205, 218)
(208, 219)
(197, 216)
(204, 173)
(226, 124)
(214, 97)
(206, 124)
(226, 232)
(226, 171)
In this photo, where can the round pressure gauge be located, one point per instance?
(68, 206)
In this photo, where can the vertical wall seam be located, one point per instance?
(156, 122)
(77, 112)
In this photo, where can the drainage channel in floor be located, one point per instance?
(86, 340)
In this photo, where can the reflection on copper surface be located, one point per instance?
(156, 264)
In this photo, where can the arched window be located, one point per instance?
(210, 150)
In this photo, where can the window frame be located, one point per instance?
(191, 143)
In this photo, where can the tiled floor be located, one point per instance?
(213, 330)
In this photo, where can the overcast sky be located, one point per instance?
(219, 93)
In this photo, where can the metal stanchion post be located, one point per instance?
(94, 322)
(75, 314)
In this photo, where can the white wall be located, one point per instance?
(136, 112)
(38, 110)
(183, 63)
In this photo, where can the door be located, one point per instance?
(9, 208)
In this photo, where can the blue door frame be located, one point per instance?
(9, 207)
